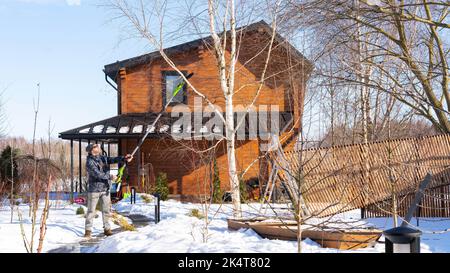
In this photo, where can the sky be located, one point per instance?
(63, 45)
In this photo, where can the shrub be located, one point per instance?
(217, 193)
(7, 172)
(243, 190)
(80, 210)
(162, 187)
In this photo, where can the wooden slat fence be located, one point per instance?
(342, 178)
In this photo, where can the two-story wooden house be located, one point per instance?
(144, 84)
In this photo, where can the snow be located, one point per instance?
(164, 128)
(98, 129)
(179, 232)
(63, 227)
(124, 129)
(110, 130)
(138, 129)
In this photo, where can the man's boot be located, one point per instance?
(108, 232)
(88, 234)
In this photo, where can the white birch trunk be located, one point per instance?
(227, 86)
(231, 156)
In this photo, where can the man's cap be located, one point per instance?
(89, 147)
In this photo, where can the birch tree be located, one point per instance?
(140, 15)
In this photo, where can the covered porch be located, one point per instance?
(109, 133)
(118, 135)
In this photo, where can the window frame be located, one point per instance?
(165, 73)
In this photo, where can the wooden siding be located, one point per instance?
(188, 173)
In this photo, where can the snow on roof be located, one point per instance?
(124, 129)
(164, 128)
(138, 129)
(110, 130)
(98, 129)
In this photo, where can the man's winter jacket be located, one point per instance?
(97, 168)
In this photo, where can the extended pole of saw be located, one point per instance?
(149, 129)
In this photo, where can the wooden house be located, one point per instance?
(143, 84)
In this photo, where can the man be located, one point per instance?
(99, 184)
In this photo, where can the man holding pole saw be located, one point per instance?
(97, 167)
(99, 185)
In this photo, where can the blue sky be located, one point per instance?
(63, 45)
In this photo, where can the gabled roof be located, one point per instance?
(111, 70)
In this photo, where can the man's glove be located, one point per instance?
(128, 158)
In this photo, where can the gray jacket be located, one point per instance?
(97, 168)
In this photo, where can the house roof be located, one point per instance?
(134, 125)
(111, 70)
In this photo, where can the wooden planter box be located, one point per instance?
(340, 239)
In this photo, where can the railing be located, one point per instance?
(157, 204)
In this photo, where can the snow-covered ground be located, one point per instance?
(63, 227)
(180, 232)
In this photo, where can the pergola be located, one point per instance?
(133, 126)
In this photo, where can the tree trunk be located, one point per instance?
(44, 216)
(231, 156)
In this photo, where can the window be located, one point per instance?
(169, 82)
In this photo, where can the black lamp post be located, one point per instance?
(402, 240)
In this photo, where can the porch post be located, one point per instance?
(79, 166)
(138, 167)
(71, 171)
(138, 162)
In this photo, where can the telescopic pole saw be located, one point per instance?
(149, 129)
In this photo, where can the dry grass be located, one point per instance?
(122, 222)
(147, 198)
(196, 213)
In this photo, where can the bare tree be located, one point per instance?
(402, 50)
(41, 172)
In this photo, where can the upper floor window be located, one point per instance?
(170, 80)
